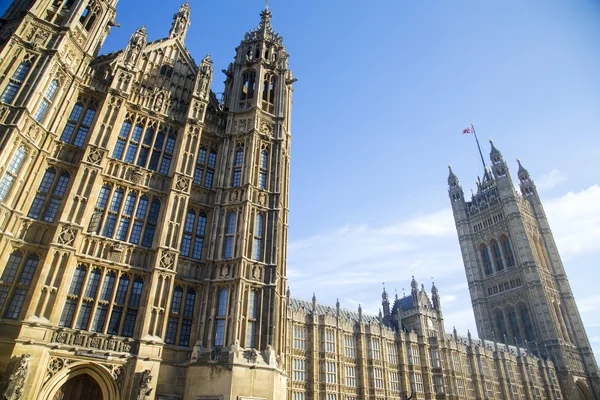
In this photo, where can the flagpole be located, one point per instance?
(479, 147)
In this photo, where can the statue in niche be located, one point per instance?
(136, 45)
(16, 381)
(144, 386)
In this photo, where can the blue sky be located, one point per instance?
(384, 90)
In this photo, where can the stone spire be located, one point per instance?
(181, 22)
(385, 302)
(136, 45)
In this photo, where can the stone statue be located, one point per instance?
(136, 45)
(144, 387)
(16, 381)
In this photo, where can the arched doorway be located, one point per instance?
(80, 387)
(583, 391)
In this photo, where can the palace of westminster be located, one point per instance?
(143, 241)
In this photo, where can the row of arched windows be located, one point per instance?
(93, 297)
(268, 90)
(127, 218)
(497, 256)
(514, 325)
(154, 151)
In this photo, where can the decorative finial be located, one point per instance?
(491, 141)
(267, 4)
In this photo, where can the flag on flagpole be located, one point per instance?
(468, 130)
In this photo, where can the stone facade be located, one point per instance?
(143, 221)
(518, 286)
(143, 234)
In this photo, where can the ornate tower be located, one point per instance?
(519, 289)
(243, 325)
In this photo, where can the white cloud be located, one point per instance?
(575, 221)
(551, 179)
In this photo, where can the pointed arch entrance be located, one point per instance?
(583, 391)
(84, 381)
(81, 387)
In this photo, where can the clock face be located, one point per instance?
(430, 323)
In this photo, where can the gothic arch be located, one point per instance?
(583, 390)
(100, 374)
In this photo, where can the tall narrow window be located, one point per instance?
(20, 286)
(501, 325)
(248, 88)
(229, 235)
(138, 223)
(485, 258)
(73, 295)
(262, 173)
(11, 171)
(299, 337)
(508, 253)
(516, 332)
(200, 166)
(188, 231)
(220, 317)
(259, 231)
(132, 307)
(188, 315)
(199, 239)
(252, 315)
(236, 178)
(118, 305)
(46, 102)
(205, 168)
(173, 323)
(15, 82)
(497, 255)
(151, 224)
(268, 95)
(527, 323)
(79, 123)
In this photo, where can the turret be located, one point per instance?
(136, 45)
(435, 297)
(525, 182)
(385, 302)
(414, 291)
(181, 23)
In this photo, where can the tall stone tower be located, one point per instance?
(518, 286)
(143, 221)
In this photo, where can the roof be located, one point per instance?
(306, 306)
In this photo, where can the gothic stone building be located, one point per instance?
(518, 286)
(143, 234)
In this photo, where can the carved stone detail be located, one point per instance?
(95, 156)
(67, 236)
(167, 260)
(16, 380)
(182, 183)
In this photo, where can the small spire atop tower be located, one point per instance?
(522, 171)
(385, 302)
(494, 152)
(181, 22)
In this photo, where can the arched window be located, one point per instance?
(497, 255)
(118, 306)
(508, 253)
(188, 314)
(57, 189)
(73, 295)
(173, 323)
(248, 86)
(132, 307)
(229, 235)
(205, 169)
(527, 323)
(236, 178)
(485, 258)
(46, 101)
(220, 318)
(252, 316)
(15, 82)
(514, 324)
(11, 172)
(500, 324)
(16, 288)
(268, 95)
(138, 223)
(151, 223)
(262, 173)
(188, 231)
(126, 215)
(259, 230)
(79, 123)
